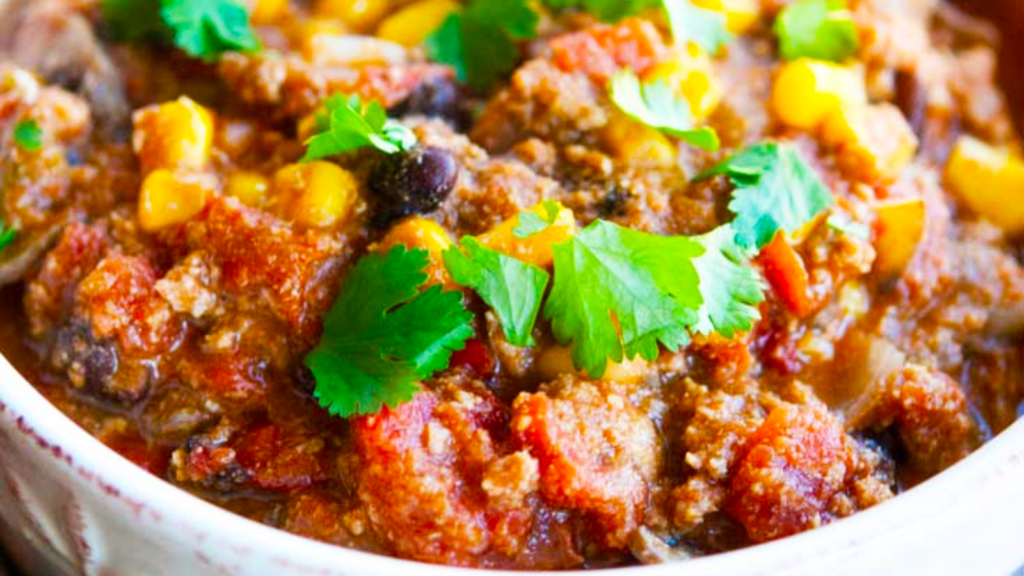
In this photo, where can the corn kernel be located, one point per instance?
(419, 232)
(630, 141)
(555, 361)
(249, 187)
(692, 77)
(172, 135)
(359, 15)
(806, 92)
(413, 23)
(740, 15)
(535, 249)
(315, 27)
(990, 181)
(898, 231)
(874, 142)
(268, 11)
(169, 198)
(318, 194)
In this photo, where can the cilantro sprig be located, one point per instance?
(513, 289)
(201, 28)
(479, 42)
(28, 135)
(385, 333)
(7, 235)
(775, 190)
(689, 23)
(819, 29)
(656, 105)
(347, 124)
(730, 288)
(531, 223)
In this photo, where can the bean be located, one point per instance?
(413, 182)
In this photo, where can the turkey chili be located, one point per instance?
(509, 284)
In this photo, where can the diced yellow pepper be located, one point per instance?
(419, 232)
(318, 194)
(874, 142)
(172, 135)
(692, 76)
(360, 15)
(629, 141)
(555, 361)
(249, 187)
(535, 249)
(898, 231)
(740, 15)
(413, 23)
(990, 181)
(268, 11)
(806, 92)
(169, 198)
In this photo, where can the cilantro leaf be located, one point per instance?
(384, 334)
(819, 29)
(208, 28)
(657, 106)
(513, 289)
(775, 190)
(7, 235)
(705, 28)
(844, 225)
(531, 223)
(28, 135)
(348, 124)
(620, 292)
(606, 10)
(201, 28)
(480, 42)
(730, 287)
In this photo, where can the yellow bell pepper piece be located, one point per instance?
(898, 230)
(806, 92)
(535, 249)
(268, 11)
(990, 181)
(629, 141)
(413, 23)
(419, 232)
(874, 142)
(170, 198)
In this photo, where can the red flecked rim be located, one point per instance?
(23, 409)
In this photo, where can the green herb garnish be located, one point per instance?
(7, 235)
(347, 124)
(513, 289)
(28, 135)
(657, 106)
(385, 333)
(201, 28)
(775, 190)
(531, 223)
(729, 286)
(705, 28)
(480, 41)
(818, 29)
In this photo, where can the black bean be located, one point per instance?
(435, 97)
(93, 366)
(413, 182)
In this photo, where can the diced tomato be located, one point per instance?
(280, 459)
(787, 275)
(475, 357)
(601, 51)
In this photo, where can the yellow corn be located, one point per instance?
(692, 76)
(413, 23)
(419, 232)
(318, 194)
(535, 249)
(806, 92)
(170, 198)
(898, 231)
(555, 361)
(630, 141)
(172, 135)
(990, 181)
(317, 27)
(740, 15)
(359, 15)
(874, 142)
(249, 187)
(268, 11)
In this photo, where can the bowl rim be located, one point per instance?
(24, 408)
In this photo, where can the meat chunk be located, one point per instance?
(435, 485)
(598, 454)
(794, 464)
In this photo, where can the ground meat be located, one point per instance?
(434, 483)
(793, 465)
(598, 454)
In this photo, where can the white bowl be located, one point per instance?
(72, 506)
